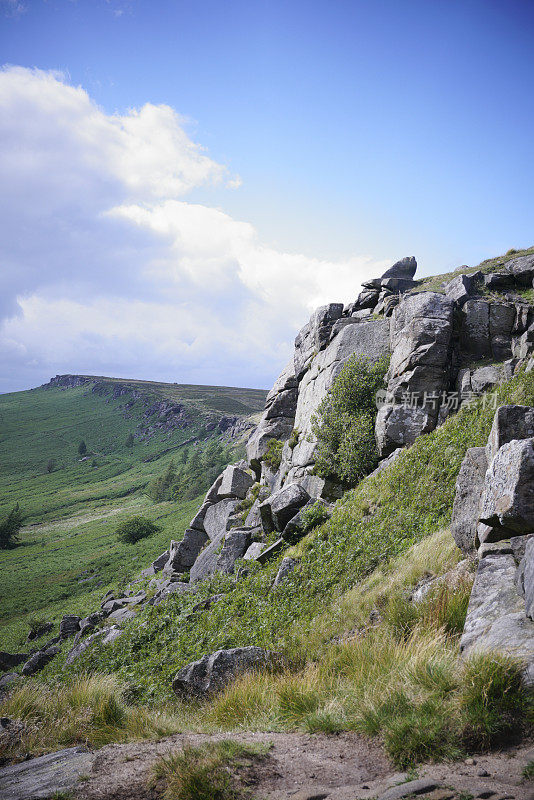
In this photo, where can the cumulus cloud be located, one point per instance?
(108, 268)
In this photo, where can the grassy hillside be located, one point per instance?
(68, 553)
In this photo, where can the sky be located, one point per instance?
(182, 183)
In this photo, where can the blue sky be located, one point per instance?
(336, 138)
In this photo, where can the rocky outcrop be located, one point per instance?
(469, 487)
(53, 775)
(212, 673)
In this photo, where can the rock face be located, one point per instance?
(469, 487)
(281, 506)
(47, 776)
(213, 672)
(508, 499)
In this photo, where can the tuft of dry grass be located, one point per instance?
(91, 711)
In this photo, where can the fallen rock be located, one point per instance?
(82, 646)
(286, 568)
(281, 506)
(522, 268)
(8, 680)
(235, 545)
(69, 626)
(217, 517)
(235, 483)
(213, 672)
(469, 486)
(10, 660)
(166, 591)
(462, 287)
(507, 503)
(420, 786)
(510, 422)
(161, 560)
(47, 775)
(206, 563)
(183, 554)
(39, 660)
(40, 630)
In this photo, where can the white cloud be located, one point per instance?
(13, 8)
(108, 268)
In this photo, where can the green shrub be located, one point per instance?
(294, 438)
(10, 527)
(344, 422)
(314, 515)
(136, 528)
(273, 456)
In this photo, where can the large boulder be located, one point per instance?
(287, 566)
(235, 483)
(507, 503)
(399, 426)
(405, 268)
(522, 269)
(496, 619)
(39, 660)
(501, 324)
(160, 561)
(213, 672)
(69, 626)
(509, 422)
(206, 563)
(183, 554)
(217, 518)
(469, 486)
(236, 543)
(281, 506)
(10, 660)
(462, 287)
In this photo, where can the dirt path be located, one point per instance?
(312, 767)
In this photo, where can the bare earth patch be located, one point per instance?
(308, 767)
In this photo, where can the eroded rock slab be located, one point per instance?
(45, 776)
(213, 672)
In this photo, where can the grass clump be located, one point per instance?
(208, 772)
(91, 711)
(344, 422)
(528, 771)
(273, 456)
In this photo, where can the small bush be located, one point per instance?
(82, 448)
(528, 771)
(293, 439)
(136, 528)
(314, 515)
(10, 527)
(344, 422)
(273, 456)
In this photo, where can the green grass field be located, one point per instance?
(68, 554)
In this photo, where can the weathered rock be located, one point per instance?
(111, 634)
(398, 426)
(474, 332)
(215, 671)
(510, 422)
(281, 506)
(69, 626)
(315, 335)
(496, 617)
(235, 483)
(213, 492)
(46, 776)
(469, 486)
(271, 551)
(10, 660)
(367, 299)
(410, 788)
(496, 280)
(524, 345)
(82, 646)
(501, 324)
(254, 550)
(217, 517)
(508, 498)
(206, 563)
(7, 680)
(198, 520)
(528, 577)
(88, 624)
(122, 615)
(485, 378)
(39, 660)
(405, 268)
(278, 417)
(168, 590)
(295, 530)
(235, 545)
(286, 568)
(112, 605)
(160, 561)
(522, 269)
(183, 554)
(462, 287)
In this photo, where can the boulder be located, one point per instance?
(10, 660)
(213, 492)
(213, 672)
(484, 378)
(160, 561)
(82, 646)
(469, 486)
(217, 519)
(367, 299)
(496, 280)
(399, 426)
(281, 506)
(112, 605)
(235, 546)
(523, 346)
(69, 626)
(294, 530)
(7, 680)
(510, 422)
(183, 554)
(254, 550)
(198, 520)
(508, 499)
(522, 269)
(496, 619)
(286, 568)
(206, 563)
(462, 287)
(53, 775)
(501, 324)
(235, 483)
(405, 268)
(168, 589)
(270, 551)
(39, 660)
